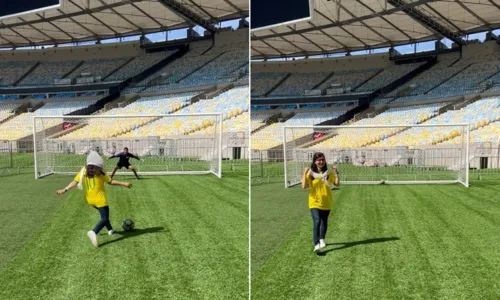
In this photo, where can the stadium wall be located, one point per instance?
(362, 61)
(126, 49)
(489, 47)
(324, 65)
(34, 102)
(229, 37)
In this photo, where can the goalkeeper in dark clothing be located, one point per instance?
(123, 162)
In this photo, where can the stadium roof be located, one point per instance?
(347, 25)
(85, 20)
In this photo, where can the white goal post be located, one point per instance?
(167, 145)
(381, 154)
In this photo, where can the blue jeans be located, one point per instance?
(320, 224)
(104, 212)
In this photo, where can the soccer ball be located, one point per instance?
(128, 225)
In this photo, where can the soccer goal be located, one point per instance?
(391, 154)
(164, 143)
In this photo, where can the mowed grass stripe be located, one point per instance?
(394, 242)
(24, 210)
(190, 243)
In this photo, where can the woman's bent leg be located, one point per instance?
(104, 212)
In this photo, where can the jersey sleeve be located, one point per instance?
(77, 177)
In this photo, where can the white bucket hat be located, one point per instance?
(92, 159)
(95, 159)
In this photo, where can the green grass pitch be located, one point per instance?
(191, 240)
(384, 242)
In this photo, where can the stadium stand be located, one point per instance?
(263, 82)
(272, 135)
(274, 84)
(297, 83)
(47, 72)
(12, 71)
(478, 114)
(106, 128)
(258, 119)
(347, 138)
(200, 67)
(387, 75)
(233, 102)
(204, 77)
(7, 110)
(454, 89)
(141, 62)
(22, 125)
(350, 78)
(98, 67)
(487, 134)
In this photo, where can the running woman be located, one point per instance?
(320, 180)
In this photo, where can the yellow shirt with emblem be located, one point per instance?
(94, 188)
(320, 194)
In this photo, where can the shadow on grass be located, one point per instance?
(136, 232)
(357, 243)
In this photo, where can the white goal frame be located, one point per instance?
(216, 166)
(465, 161)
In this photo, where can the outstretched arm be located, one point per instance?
(69, 187)
(133, 156)
(304, 182)
(124, 184)
(116, 155)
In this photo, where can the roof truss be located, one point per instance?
(89, 20)
(350, 25)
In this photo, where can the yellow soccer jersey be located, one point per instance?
(320, 194)
(94, 189)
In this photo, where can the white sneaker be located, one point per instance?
(93, 238)
(111, 232)
(317, 249)
(322, 243)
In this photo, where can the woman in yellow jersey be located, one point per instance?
(320, 181)
(92, 179)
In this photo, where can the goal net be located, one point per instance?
(167, 144)
(5, 155)
(392, 154)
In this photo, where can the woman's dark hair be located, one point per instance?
(314, 168)
(93, 171)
